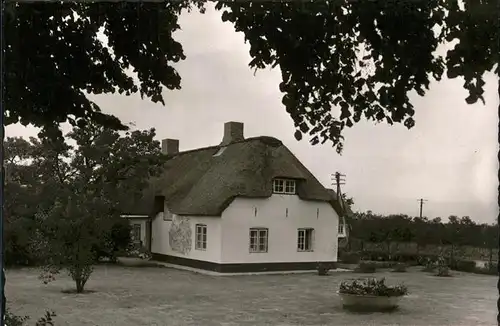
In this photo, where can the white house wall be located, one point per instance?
(159, 234)
(177, 237)
(283, 215)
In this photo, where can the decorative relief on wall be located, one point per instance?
(180, 235)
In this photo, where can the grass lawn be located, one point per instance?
(163, 296)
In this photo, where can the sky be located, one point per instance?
(448, 158)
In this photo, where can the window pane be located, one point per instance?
(290, 186)
(258, 240)
(309, 240)
(278, 185)
(253, 240)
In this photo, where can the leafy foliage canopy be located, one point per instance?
(340, 60)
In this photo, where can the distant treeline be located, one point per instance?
(366, 229)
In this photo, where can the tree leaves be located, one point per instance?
(54, 56)
(316, 50)
(80, 190)
(401, 228)
(365, 56)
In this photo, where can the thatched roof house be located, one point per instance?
(203, 182)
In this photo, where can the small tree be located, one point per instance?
(70, 232)
(84, 188)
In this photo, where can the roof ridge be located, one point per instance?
(268, 139)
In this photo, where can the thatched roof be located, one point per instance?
(198, 183)
(346, 211)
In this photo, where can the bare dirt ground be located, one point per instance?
(164, 296)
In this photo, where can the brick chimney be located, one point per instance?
(233, 132)
(170, 146)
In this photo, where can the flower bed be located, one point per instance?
(134, 256)
(371, 294)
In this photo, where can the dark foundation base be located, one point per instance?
(241, 268)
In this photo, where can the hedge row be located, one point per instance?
(355, 257)
(368, 260)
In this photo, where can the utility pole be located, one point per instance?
(338, 179)
(421, 200)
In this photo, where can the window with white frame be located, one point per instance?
(136, 232)
(305, 240)
(284, 186)
(258, 239)
(201, 237)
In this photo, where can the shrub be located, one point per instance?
(14, 320)
(366, 267)
(349, 257)
(399, 268)
(395, 257)
(426, 260)
(489, 269)
(373, 287)
(17, 238)
(115, 240)
(322, 269)
(463, 265)
(443, 269)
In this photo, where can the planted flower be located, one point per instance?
(371, 294)
(137, 251)
(373, 287)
